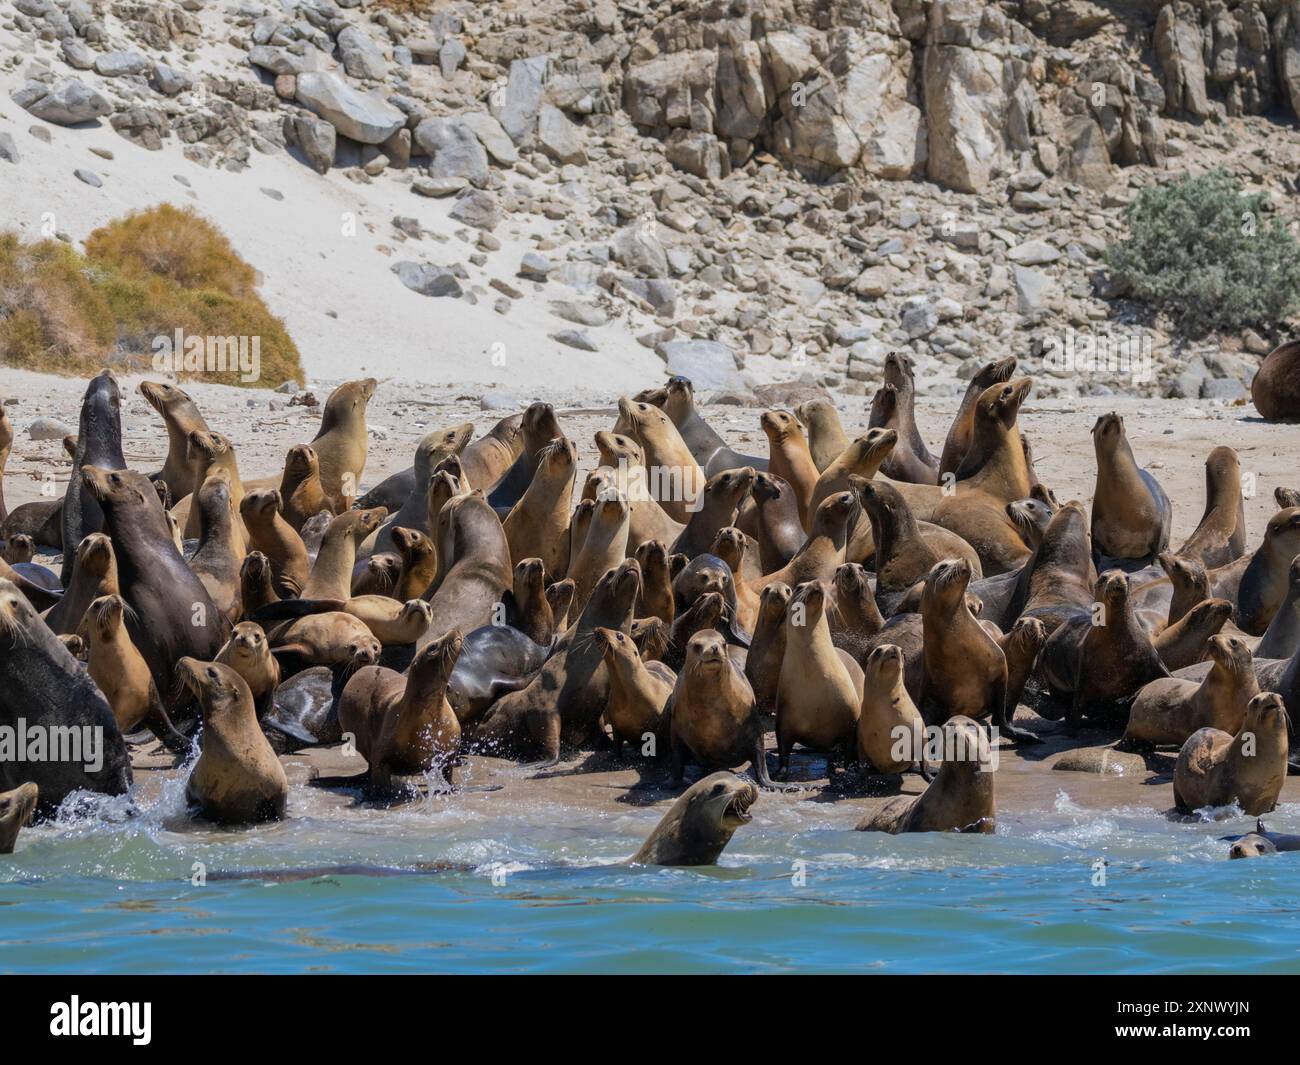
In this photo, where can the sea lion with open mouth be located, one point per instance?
(700, 823)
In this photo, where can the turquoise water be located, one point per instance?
(102, 891)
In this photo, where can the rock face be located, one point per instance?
(67, 102)
(360, 116)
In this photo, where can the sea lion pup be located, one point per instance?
(538, 428)
(419, 564)
(237, 779)
(824, 549)
(403, 723)
(700, 823)
(1218, 768)
(959, 799)
(1189, 584)
(19, 548)
(638, 692)
(44, 686)
(791, 460)
(248, 653)
(1286, 497)
(473, 566)
(819, 694)
(678, 479)
(603, 548)
(1185, 642)
(331, 638)
(704, 574)
(1282, 637)
(1131, 514)
(340, 442)
(181, 417)
(538, 525)
(1021, 646)
(301, 494)
(376, 575)
(963, 424)
(1030, 517)
(656, 598)
(171, 613)
(564, 702)
(712, 716)
(16, 810)
(779, 532)
(891, 733)
(255, 589)
(826, 437)
(1221, 535)
(723, 495)
(98, 443)
(854, 616)
(217, 559)
(120, 672)
(1170, 709)
(213, 455)
(331, 576)
(94, 574)
(1275, 388)
(767, 648)
(270, 534)
(1266, 579)
(964, 671)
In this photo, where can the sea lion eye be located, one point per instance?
(718, 789)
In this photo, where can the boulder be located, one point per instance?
(559, 138)
(478, 209)
(710, 364)
(67, 102)
(453, 150)
(492, 136)
(362, 58)
(522, 101)
(360, 116)
(427, 279)
(315, 137)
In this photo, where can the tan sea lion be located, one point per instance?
(271, 534)
(1131, 514)
(638, 693)
(248, 653)
(656, 598)
(823, 551)
(700, 823)
(16, 810)
(724, 493)
(709, 449)
(894, 407)
(961, 797)
(1184, 643)
(181, 417)
(778, 530)
(791, 460)
(891, 733)
(213, 454)
(392, 623)
(301, 494)
(767, 647)
(538, 525)
(860, 460)
(340, 442)
(962, 430)
(1221, 535)
(853, 613)
(94, 574)
(622, 465)
(255, 589)
(487, 459)
(474, 568)
(333, 638)
(1189, 584)
(677, 479)
(1217, 768)
(826, 437)
(331, 576)
(1275, 388)
(538, 427)
(437, 450)
(419, 564)
(603, 548)
(237, 778)
(1169, 709)
(1265, 580)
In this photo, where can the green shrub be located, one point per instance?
(1205, 254)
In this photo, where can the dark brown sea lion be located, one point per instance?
(704, 574)
(376, 575)
(19, 548)
(723, 495)
(656, 598)
(1265, 580)
(42, 521)
(1056, 583)
(99, 443)
(638, 693)
(181, 417)
(341, 442)
(1282, 637)
(419, 563)
(1275, 388)
(1131, 514)
(903, 557)
(853, 613)
(474, 567)
(1217, 768)
(1169, 709)
(301, 494)
(1185, 642)
(700, 823)
(962, 430)
(894, 407)
(538, 428)
(767, 647)
(526, 605)
(255, 589)
(1221, 535)
(779, 531)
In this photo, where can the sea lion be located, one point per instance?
(704, 574)
(19, 549)
(700, 822)
(271, 534)
(1131, 514)
(255, 590)
(1261, 841)
(709, 449)
(376, 575)
(1056, 582)
(43, 689)
(494, 659)
(42, 521)
(903, 557)
(712, 716)
(1220, 536)
(340, 442)
(181, 417)
(538, 428)
(826, 437)
(1275, 388)
(1021, 646)
(217, 559)
(638, 692)
(717, 509)
(891, 732)
(439, 449)
(622, 471)
(16, 810)
(959, 435)
(893, 407)
(676, 479)
(301, 494)
(474, 567)
(403, 723)
(486, 460)
(212, 454)
(604, 546)
(1217, 768)
(1170, 709)
(1286, 497)
(1265, 581)
(237, 779)
(1030, 517)
(1185, 642)
(331, 576)
(248, 653)
(960, 798)
(560, 597)
(819, 694)
(656, 598)
(779, 531)
(791, 460)
(94, 574)
(824, 549)
(99, 443)
(538, 525)
(171, 613)
(859, 461)
(1282, 637)
(313, 532)
(419, 563)
(854, 616)
(527, 607)
(330, 638)
(767, 647)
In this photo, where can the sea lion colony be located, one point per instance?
(871, 600)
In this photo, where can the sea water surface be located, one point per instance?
(447, 884)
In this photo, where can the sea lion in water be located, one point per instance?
(709, 449)
(16, 810)
(181, 417)
(237, 779)
(1169, 709)
(891, 732)
(340, 442)
(538, 428)
(248, 653)
(301, 494)
(826, 437)
(403, 723)
(780, 534)
(959, 436)
(46, 689)
(474, 568)
(538, 525)
(217, 559)
(638, 693)
(94, 573)
(1131, 515)
(1217, 768)
(1275, 388)
(271, 534)
(1220, 536)
(700, 822)
(1261, 841)
(99, 443)
(961, 797)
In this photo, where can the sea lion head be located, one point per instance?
(774, 602)
(884, 404)
(351, 397)
(768, 486)
(812, 410)
(1031, 518)
(443, 487)
(705, 573)
(1028, 635)
(679, 386)
(652, 636)
(884, 665)
(361, 523)
(95, 554)
(615, 647)
(881, 500)
(1108, 430)
(616, 448)
(992, 373)
(1251, 845)
(966, 751)
(1112, 589)
(706, 653)
(559, 458)
(433, 665)
(780, 425)
(103, 401)
(1230, 653)
(899, 370)
(540, 422)
(205, 445)
(947, 581)
(381, 572)
(117, 488)
(610, 512)
(637, 416)
(17, 615)
(678, 399)
(873, 447)
(1222, 462)
(836, 514)
(445, 441)
(616, 591)
(104, 615)
(163, 396)
(411, 544)
(707, 612)
(256, 568)
(722, 800)
(1001, 402)
(851, 583)
(247, 641)
(301, 462)
(19, 548)
(1186, 574)
(700, 823)
(652, 555)
(729, 545)
(217, 688)
(16, 809)
(75, 644)
(364, 650)
(730, 486)
(811, 595)
(1283, 531)
(1266, 717)
(529, 580)
(451, 466)
(261, 507)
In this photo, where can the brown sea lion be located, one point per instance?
(717, 508)
(98, 443)
(538, 427)
(1286, 497)
(638, 693)
(860, 460)
(331, 638)
(622, 469)
(1221, 535)
(217, 559)
(94, 574)
(419, 563)
(853, 613)
(1217, 768)
(474, 568)
(961, 797)
(42, 521)
(767, 647)
(271, 534)
(528, 608)
(893, 407)
(677, 479)
(823, 551)
(16, 810)
(181, 417)
(376, 575)
(1185, 642)
(1265, 580)
(791, 460)
(19, 548)
(903, 557)
(212, 454)
(301, 494)
(255, 589)
(237, 779)
(779, 531)
(439, 449)
(331, 575)
(538, 525)
(709, 449)
(891, 733)
(826, 437)
(603, 548)
(1021, 646)
(656, 598)
(1030, 517)
(1057, 581)
(700, 823)
(1282, 637)
(963, 424)
(1170, 709)
(1131, 514)
(248, 653)
(341, 442)
(1275, 388)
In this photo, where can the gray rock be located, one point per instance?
(478, 209)
(316, 138)
(534, 266)
(77, 53)
(492, 136)
(1227, 388)
(169, 81)
(362, 58)
(523, 97)
(578, 313)
(637, 249)
(67, 102)
(276, 60)
(8, 149)
(120, 64)
(501, 399)
(438, 187)
(363, 117)
(1034, 253)
(710, 364)
(89, 177)
(920, 320)
(450, 56)
(1033, 287)
(427, 280)
(454, 150)
(49, 429)
(575, 338)
(559, 138)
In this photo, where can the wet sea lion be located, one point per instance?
(853, 614)
(709, 449)
(704, 574)
(330, 638)
(1275, 388)
(16, 810)
(419, 563)
(237, 779)
(181, 417)
(779, 531)
(271, 534)
(538, 428)
(700, 822)
(331, 575)
(889, 724)
(340, 442)
(301, 494)
(638, 692)
(403, 723)
(99, 443)
(826, 437)
(1261, 841)
(767, 648)
(1169, 709)
(961, 797)
(43, 688)
(474, 567)
(1131, 514)
(217, 559)
(1220, 536)
(1217, 768)
(94, 573)
(248, 653)
(791, 460)
(538, 525)
(959, 435)
(494, 659)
